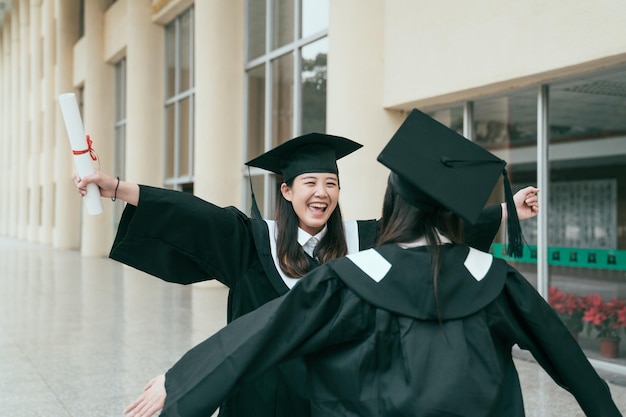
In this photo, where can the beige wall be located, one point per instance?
(438, 51)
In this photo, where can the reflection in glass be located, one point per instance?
(170, 117)
(170, 59)
(282, 99)
(120, 132)
(449, 116)
(314, 16)
(282, 28)
(313, 75)
(185, 52)
(256, 28)
(120, 90)
(587, 108)
(256, 111)
(511, 120)
(507, 126)
(587, 127)
(184, 139)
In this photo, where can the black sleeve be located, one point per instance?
(183, 239)
(299, 322)
(533, 325)
(481, 234)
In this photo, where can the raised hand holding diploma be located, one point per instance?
(81, 148)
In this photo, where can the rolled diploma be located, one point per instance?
(78, 141)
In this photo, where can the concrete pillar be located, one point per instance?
(23, 137)
(349, 103)
(97, 231)
(13, 121)
(34, 202)
(46, 157)
(5, 145)
(67, 204)
(144, 96)
(218, 154)
(22, 119)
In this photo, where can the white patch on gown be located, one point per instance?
(351, 231)
(372, 263)
(478, 263)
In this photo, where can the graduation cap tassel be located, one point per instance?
(256, 213)
(515, 247)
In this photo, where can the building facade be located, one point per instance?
(180, 93)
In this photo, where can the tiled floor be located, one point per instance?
(79, 337)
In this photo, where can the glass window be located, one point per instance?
(313, 78)
(449, 116)
(314, 16)
(282, 99)
(170, 136)
(293, 72)
(283, 23)
(587, 197)
(256, 24)
(507, 126)
(256, 112)
(179, 102)
(185, 59)
(506, 121)
(170, 59)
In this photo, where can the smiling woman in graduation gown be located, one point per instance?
(183, 239)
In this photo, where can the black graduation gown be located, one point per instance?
(183, 239)
(374, 345)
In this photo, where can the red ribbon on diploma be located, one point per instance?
(89, 149)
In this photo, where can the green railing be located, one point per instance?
(577, 257)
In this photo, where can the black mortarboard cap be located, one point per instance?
(313, 152)
(433, 165)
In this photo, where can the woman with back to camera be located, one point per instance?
(181, 238)
(422, 325)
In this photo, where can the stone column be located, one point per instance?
(13, 112)
(144, 96)
(349, 104)
(67, 202)
(49, 102)
(98, 116)
(34, 203)
(5, 58)
(23, 137)
(5, 105)
(218, 151)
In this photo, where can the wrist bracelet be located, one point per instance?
(117, 185)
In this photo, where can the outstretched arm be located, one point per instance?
(151, 401)
(126, 191)
(526, 203)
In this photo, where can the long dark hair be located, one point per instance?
(291, 257)
(404, 223)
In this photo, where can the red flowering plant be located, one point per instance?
(607, 317)
(569, 307)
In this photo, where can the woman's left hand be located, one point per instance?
(151, 401)
(526, 202)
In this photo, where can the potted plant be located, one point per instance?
(608, 318)
(569, 307)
